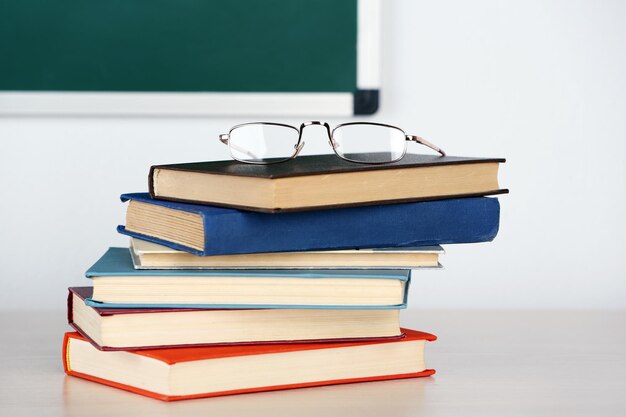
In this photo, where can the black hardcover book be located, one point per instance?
(324, 181)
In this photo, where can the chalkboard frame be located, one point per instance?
(363, 101)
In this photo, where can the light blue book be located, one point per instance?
(117, 284)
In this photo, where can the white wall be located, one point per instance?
(541, 83)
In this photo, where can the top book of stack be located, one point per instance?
(324, 181)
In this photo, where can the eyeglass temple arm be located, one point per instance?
(422, 141)
(224, 140)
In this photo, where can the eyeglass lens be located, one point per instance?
(368, 143)
(263, 143)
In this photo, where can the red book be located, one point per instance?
(196, 372)
(142, 328)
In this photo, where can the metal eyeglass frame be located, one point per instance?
(225, 139)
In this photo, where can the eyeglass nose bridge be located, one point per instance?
(331, 142)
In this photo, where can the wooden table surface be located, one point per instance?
(489, 363)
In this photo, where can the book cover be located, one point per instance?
(117, 262)
(230, 231)
(318, 165)
(171, 357)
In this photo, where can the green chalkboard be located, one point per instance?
(198, 57)
(178, 45)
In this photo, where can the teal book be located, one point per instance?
(117, 284)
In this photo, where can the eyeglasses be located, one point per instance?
(361, 142)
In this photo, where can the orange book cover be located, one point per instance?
(176, 355)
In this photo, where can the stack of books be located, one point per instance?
(244, 278)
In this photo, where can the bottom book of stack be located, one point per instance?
(209, 371)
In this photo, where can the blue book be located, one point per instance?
(117, 284)
(209, 230)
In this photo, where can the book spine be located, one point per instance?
(151, 182)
